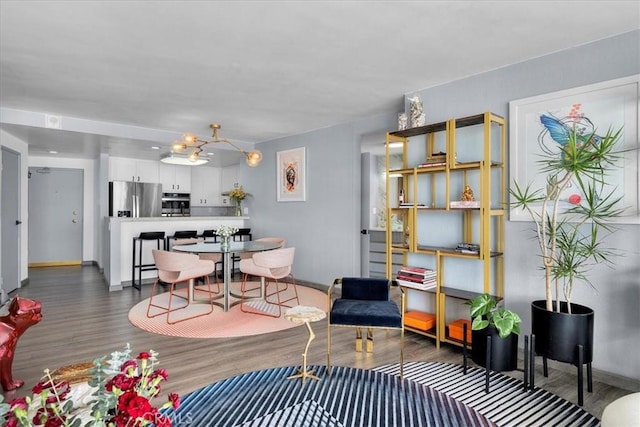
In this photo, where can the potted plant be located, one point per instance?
(502, 325)
(571, 216)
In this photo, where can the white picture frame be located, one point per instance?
(291, 175)
(611, 104)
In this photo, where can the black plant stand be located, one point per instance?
(488, 360)
(579, 366)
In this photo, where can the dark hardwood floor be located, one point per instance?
(82, 321)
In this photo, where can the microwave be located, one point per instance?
(176, 204)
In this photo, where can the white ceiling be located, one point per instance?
(124, 75)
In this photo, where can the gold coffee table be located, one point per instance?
(306, 315)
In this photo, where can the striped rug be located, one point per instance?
(507, 404)
(431, 394)
(219, 324)
(349, 397)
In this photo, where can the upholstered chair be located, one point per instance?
(364, 303)
(175, 268)
(273, 266)
(215, 257)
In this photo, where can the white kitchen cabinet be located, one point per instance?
(229, 180)
(126, 169)
(205, 188)
(175, 178)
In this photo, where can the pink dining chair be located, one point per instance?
(215, 257)
(273, 266)
(280, 240)
(175, 268)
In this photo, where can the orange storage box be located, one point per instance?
(456, 329)
(419, 320)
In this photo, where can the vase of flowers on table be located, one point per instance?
(225, 232)
(118, 393)
(238, 195)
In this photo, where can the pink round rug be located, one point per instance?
(219, 324)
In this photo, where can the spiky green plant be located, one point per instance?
(570, 240)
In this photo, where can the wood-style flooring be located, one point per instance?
(83, 321)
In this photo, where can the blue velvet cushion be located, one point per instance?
(384, 314)
(364, 288)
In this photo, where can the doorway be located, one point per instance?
(55, 216)
(11, 223)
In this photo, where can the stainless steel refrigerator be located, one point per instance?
(135, 199)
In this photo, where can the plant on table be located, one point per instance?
(573, 213)
(226, 231)
(123, 389)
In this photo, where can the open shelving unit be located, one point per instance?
(433, 166)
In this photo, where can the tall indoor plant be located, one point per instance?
(570, 239)
(571, 216)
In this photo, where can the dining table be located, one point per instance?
(234, 248)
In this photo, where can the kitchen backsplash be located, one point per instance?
(212, 211)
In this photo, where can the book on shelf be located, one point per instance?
(410, 205)
(433, 163)
(465, 204)
(468, 248)
(416, 277)
(414, 285)
(416, 269)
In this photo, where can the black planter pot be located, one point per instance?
(558, 334)
(504, 351)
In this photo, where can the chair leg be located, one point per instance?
(369, 340)
(244, 290)
(359, 340)
(163, 309)
(195, 289)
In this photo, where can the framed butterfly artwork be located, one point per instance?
(540, 125)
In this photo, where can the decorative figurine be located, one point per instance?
(416, 111)
(467, 194)
(23, 313)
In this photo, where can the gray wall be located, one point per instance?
(325, 228)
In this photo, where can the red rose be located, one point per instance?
(161, 373)
(138, 407)
(144, 355)
(174, 398)
(121, 381)
(123, 401)
(19, 402)
(129, 364)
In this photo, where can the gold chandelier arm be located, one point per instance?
(189, 140)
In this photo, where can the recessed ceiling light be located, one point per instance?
(53, 152)
(155, 147)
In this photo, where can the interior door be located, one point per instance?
(10, 268)
(55, 216)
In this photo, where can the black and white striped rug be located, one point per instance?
(432, 394)
(507, 404)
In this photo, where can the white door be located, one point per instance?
(55, 216)
(11, 223)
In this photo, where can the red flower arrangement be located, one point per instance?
(122, 392)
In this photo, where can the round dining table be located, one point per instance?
(235, 247)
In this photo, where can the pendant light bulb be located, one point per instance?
(254, 157)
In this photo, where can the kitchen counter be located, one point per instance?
(122, 230)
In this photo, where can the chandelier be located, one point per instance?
(192, 143)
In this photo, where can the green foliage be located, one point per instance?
(485, 312)
(570, 240)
